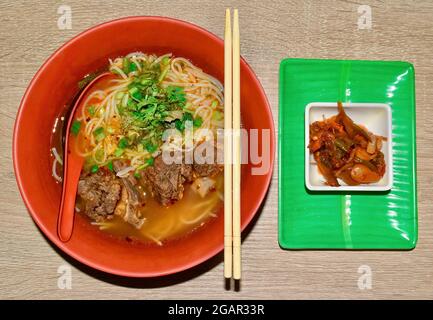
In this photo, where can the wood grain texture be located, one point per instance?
(270, 31)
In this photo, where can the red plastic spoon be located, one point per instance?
(72, 165)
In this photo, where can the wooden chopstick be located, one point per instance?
(232, 149)
(228, 235)
(236, 150)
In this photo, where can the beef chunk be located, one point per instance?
(165, 181)
(100, 193)
(206, 170)
(187, 172)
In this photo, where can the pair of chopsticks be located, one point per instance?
(232, 149)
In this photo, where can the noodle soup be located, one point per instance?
(126, 125)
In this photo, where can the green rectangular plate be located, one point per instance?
(346, 220)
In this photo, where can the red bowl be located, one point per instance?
(56, 82)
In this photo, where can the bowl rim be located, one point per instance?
(348, 105)
(53, 236)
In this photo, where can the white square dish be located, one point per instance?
(376, 117)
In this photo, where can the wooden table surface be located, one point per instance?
(270, 31)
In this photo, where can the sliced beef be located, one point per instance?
(100, 193)
(165, 181)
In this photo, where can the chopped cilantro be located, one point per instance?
(176, 95)
(145, 107)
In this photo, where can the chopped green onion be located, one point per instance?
(123, 143)
(187, 117)
(126, 66)
(94, 168)
(132, 67)
(150, 161)
(132, 104)
(179, 124)
(214, 103)
(151, 148)
(98, 131)
(100, 137)
(137, 95)
(217, 115)
(165, 60)
(91, 110)
(114, 71)
(99, 134)
(133, 90)
(99, 154)
(110, 166)
(75, 128)
(118, 152)
(137, 175)
(145, 81)
(197, 122)
(125, 100)
(163, 73)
